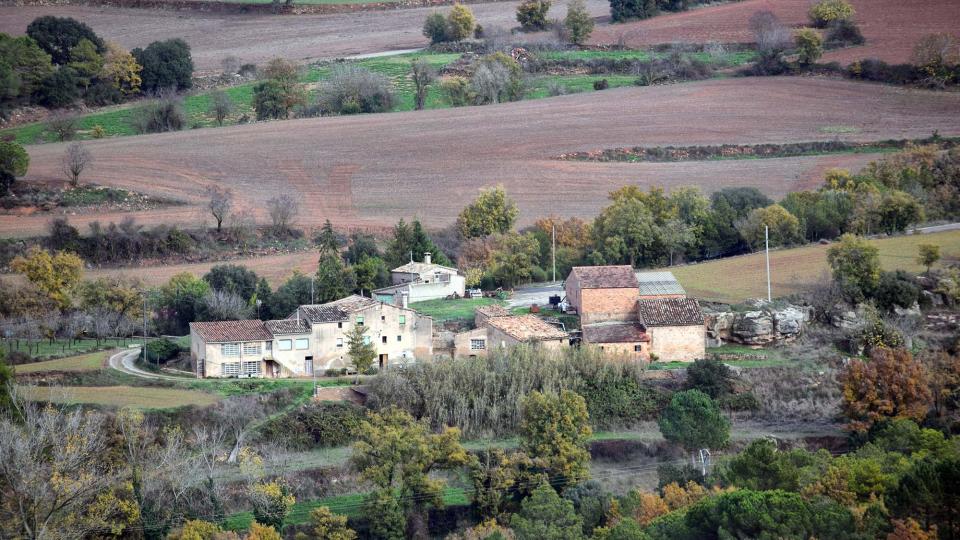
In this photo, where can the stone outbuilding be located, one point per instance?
(626, 340)
(675, 327)
(507, 332)
(602, 293)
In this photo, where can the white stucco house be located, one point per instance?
(312, 339)
(419, 281)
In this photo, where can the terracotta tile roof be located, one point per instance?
(614, 333)
(493, 310)
(285, 327)
(658, 283)
(526, 328)
(670, 312)
(229, 331)
(338, 310)
(605, 277)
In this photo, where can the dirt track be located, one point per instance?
(258, 38)
(373, 169)
(891, 27)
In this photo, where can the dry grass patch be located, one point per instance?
(83, 362)
(736, 279)
(139, 397)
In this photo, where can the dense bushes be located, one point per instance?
(161, 115)
(459, 24)
(482, 396)
(162, 350)
(316, 424)
(625, 10)
(166, 65)
(353, 89)
(532, 14)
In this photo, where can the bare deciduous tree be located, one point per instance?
(221, 200)
(209, 442)
(768, 32)
(230, 65)
(236, 416)
(225, 306)
(63, 125)
(283, 210)
(75, 160)
(52, 471)
(422, 75)
(220, 106)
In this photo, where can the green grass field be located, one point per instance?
(116, 120)
(84, 362)
(46, 349)
(140, 397)
(448, 310)
(793, 271)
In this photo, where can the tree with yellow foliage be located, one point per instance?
(272, 502)
(329, 526)
(397, 454)
(262, 532)
(56, 275)
(122, 69)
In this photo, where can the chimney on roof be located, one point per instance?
(426, 257)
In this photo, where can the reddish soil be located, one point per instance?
(891, 27)
(258, 38)
(370, 170)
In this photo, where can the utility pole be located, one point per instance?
(312, 278)
(766, 240)
(145, 330)
(553, 232)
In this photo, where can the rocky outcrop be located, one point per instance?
(766, 323)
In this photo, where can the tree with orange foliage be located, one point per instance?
(910, 530)
(892, 384)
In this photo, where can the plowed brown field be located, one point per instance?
(258, 38)
(374, 169)
(891, 27)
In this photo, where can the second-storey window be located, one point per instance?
(252, 349)
(285, 344)
(303, 344)
(339, 342)
(402, 319)
(360, 320)
(230, 349)
(478, 344)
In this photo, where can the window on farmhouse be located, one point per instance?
(366, 340)
(231, 369)
(399, 338)
(251, 369)
(230, 349)
(360, 320)
(303, 344)
(252, 349)
(339, 342)
(403, 319)
(383, 339)
(637, 348)
(285, 344)
(477, 344)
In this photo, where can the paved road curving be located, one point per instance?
(125, 362)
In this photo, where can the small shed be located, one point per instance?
(675, 327)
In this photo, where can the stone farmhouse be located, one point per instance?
(419, 281)
(496, 327)
(310, 340)
(636, 315)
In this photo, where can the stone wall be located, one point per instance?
(599, 305)
(677, 343)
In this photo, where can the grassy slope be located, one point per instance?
(84, 362)
(140, 397)
(58, 348)
(447, 310)
(794, 270)
(116, 120)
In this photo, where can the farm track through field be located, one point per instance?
(891, 27)
(429, 163)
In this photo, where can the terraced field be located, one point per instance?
(370, 170)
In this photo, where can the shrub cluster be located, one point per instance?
(316, 424)
(353, 89)
(626, 10)
(482, 396)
